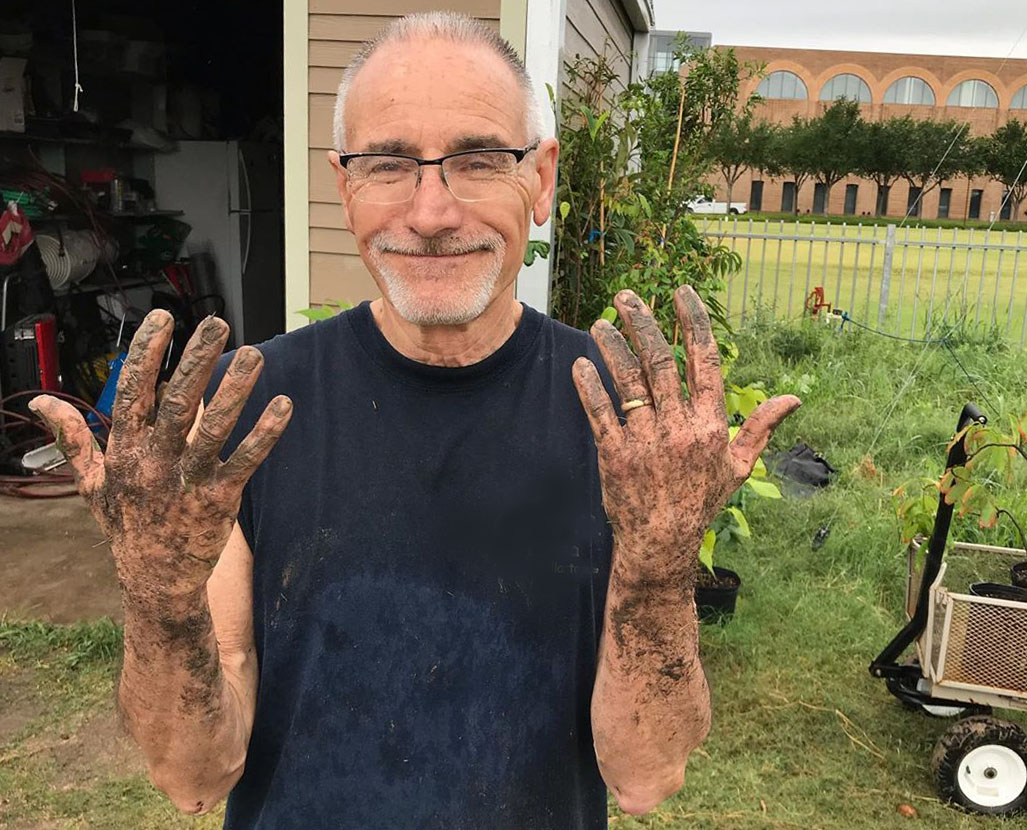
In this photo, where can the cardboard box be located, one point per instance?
(12, 94)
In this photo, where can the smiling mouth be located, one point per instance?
(434, 256)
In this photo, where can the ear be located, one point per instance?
(341, 181)
(545, 164)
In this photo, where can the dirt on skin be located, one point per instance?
(56, 564)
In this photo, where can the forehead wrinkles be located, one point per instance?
(433, 82)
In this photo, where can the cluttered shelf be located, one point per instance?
(105, 141)
(128, 216)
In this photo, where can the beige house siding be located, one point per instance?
(595, 25)
(337, 28)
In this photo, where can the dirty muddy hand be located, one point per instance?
(166, 503)
(669, 470)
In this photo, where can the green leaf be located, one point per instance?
(609, 314)
(765, 489)
(536, 248)
(759, 470)
(319, 313)
(709, 541)
(956, 492)
(565, 208)
(743, 525)
(989, 514)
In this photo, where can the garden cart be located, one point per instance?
(970, 636)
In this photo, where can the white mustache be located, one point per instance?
(434, 246)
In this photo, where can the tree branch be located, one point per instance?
(1016, 524)
(1018, 447)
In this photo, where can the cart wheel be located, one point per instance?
(980, 764)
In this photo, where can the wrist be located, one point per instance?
(664, 569)
(159, 573)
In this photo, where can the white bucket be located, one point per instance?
(72, 261)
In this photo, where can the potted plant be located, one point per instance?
(717, 587)
(990, 486)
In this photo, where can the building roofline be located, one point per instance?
(641, 14)
(922, 55)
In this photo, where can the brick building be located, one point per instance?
(985, 92)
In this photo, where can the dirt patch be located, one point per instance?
(88, 747)
(19, 704)
(56, 564)
(99, 748)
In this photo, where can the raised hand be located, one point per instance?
(667, 473)
(168, 505)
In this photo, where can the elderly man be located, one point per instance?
(459, 594)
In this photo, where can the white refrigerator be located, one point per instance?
(231, 195)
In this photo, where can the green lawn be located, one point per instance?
(803, 737)
(929, 280)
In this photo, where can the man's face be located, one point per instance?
(437, 259)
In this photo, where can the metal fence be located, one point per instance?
(902, 280)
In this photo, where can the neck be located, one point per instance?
(450, 345)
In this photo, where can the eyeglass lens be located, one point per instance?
(389, 179)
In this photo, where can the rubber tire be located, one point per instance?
(960, 739)
(732, 212)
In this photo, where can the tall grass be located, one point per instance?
(82, 643)
(803, 737)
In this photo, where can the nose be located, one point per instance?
(434, 209)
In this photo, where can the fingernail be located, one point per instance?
(627, 297)
(282, 406)
(247, 360)
(212, 330)
(157, 318)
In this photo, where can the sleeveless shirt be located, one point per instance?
(430, 559)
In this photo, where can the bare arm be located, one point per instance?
(188, 686)
(169, 506)
(665, 475)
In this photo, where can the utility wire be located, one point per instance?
(941, 161)
(942, 341)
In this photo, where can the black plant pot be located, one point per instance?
(716, 603)
(1018, 574)
(996, 590)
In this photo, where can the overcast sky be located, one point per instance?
(933, 27)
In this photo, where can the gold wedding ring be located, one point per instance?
(627, 406)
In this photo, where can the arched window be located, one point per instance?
(910, 90)
(851, 87)
(1019, 100)
(973, 94)
(782, 84)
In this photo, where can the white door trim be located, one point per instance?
(544, 32)
(296, 160)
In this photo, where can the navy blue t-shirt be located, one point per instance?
(430, 565)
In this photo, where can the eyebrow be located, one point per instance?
(391, 145)
(467, 142)
(477, 142)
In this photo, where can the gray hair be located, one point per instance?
(450, 26)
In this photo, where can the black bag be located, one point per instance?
(803, 467)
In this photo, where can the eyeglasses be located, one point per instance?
(470, 175)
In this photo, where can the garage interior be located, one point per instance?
(140, 167)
